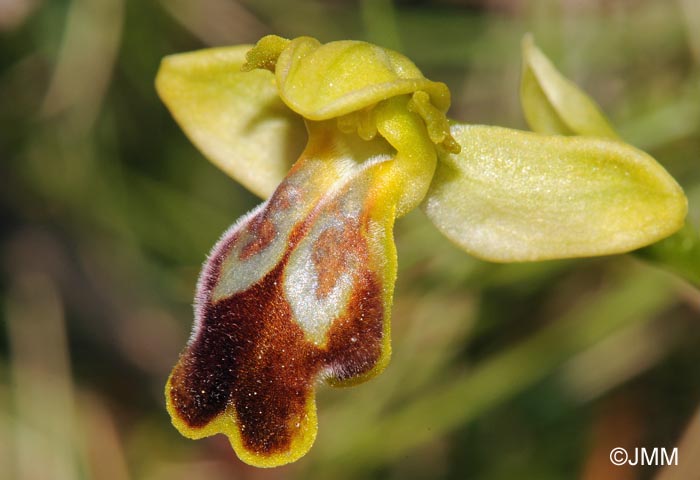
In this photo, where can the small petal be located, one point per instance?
(236, 118)
(407, 178)
(520, 196)
(554, 105)
(298, 291)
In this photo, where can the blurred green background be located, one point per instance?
(528, 371)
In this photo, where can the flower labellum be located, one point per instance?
(299, 290)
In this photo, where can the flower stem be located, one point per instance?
(679, 253)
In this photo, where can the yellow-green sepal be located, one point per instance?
(235, 118)
(511, 196)
(553, 104)
(322, 81)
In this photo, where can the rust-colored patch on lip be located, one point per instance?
(250, 353)
(262, 228)
(263, 232)
(332, 252)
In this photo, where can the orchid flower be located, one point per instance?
(299, 290)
